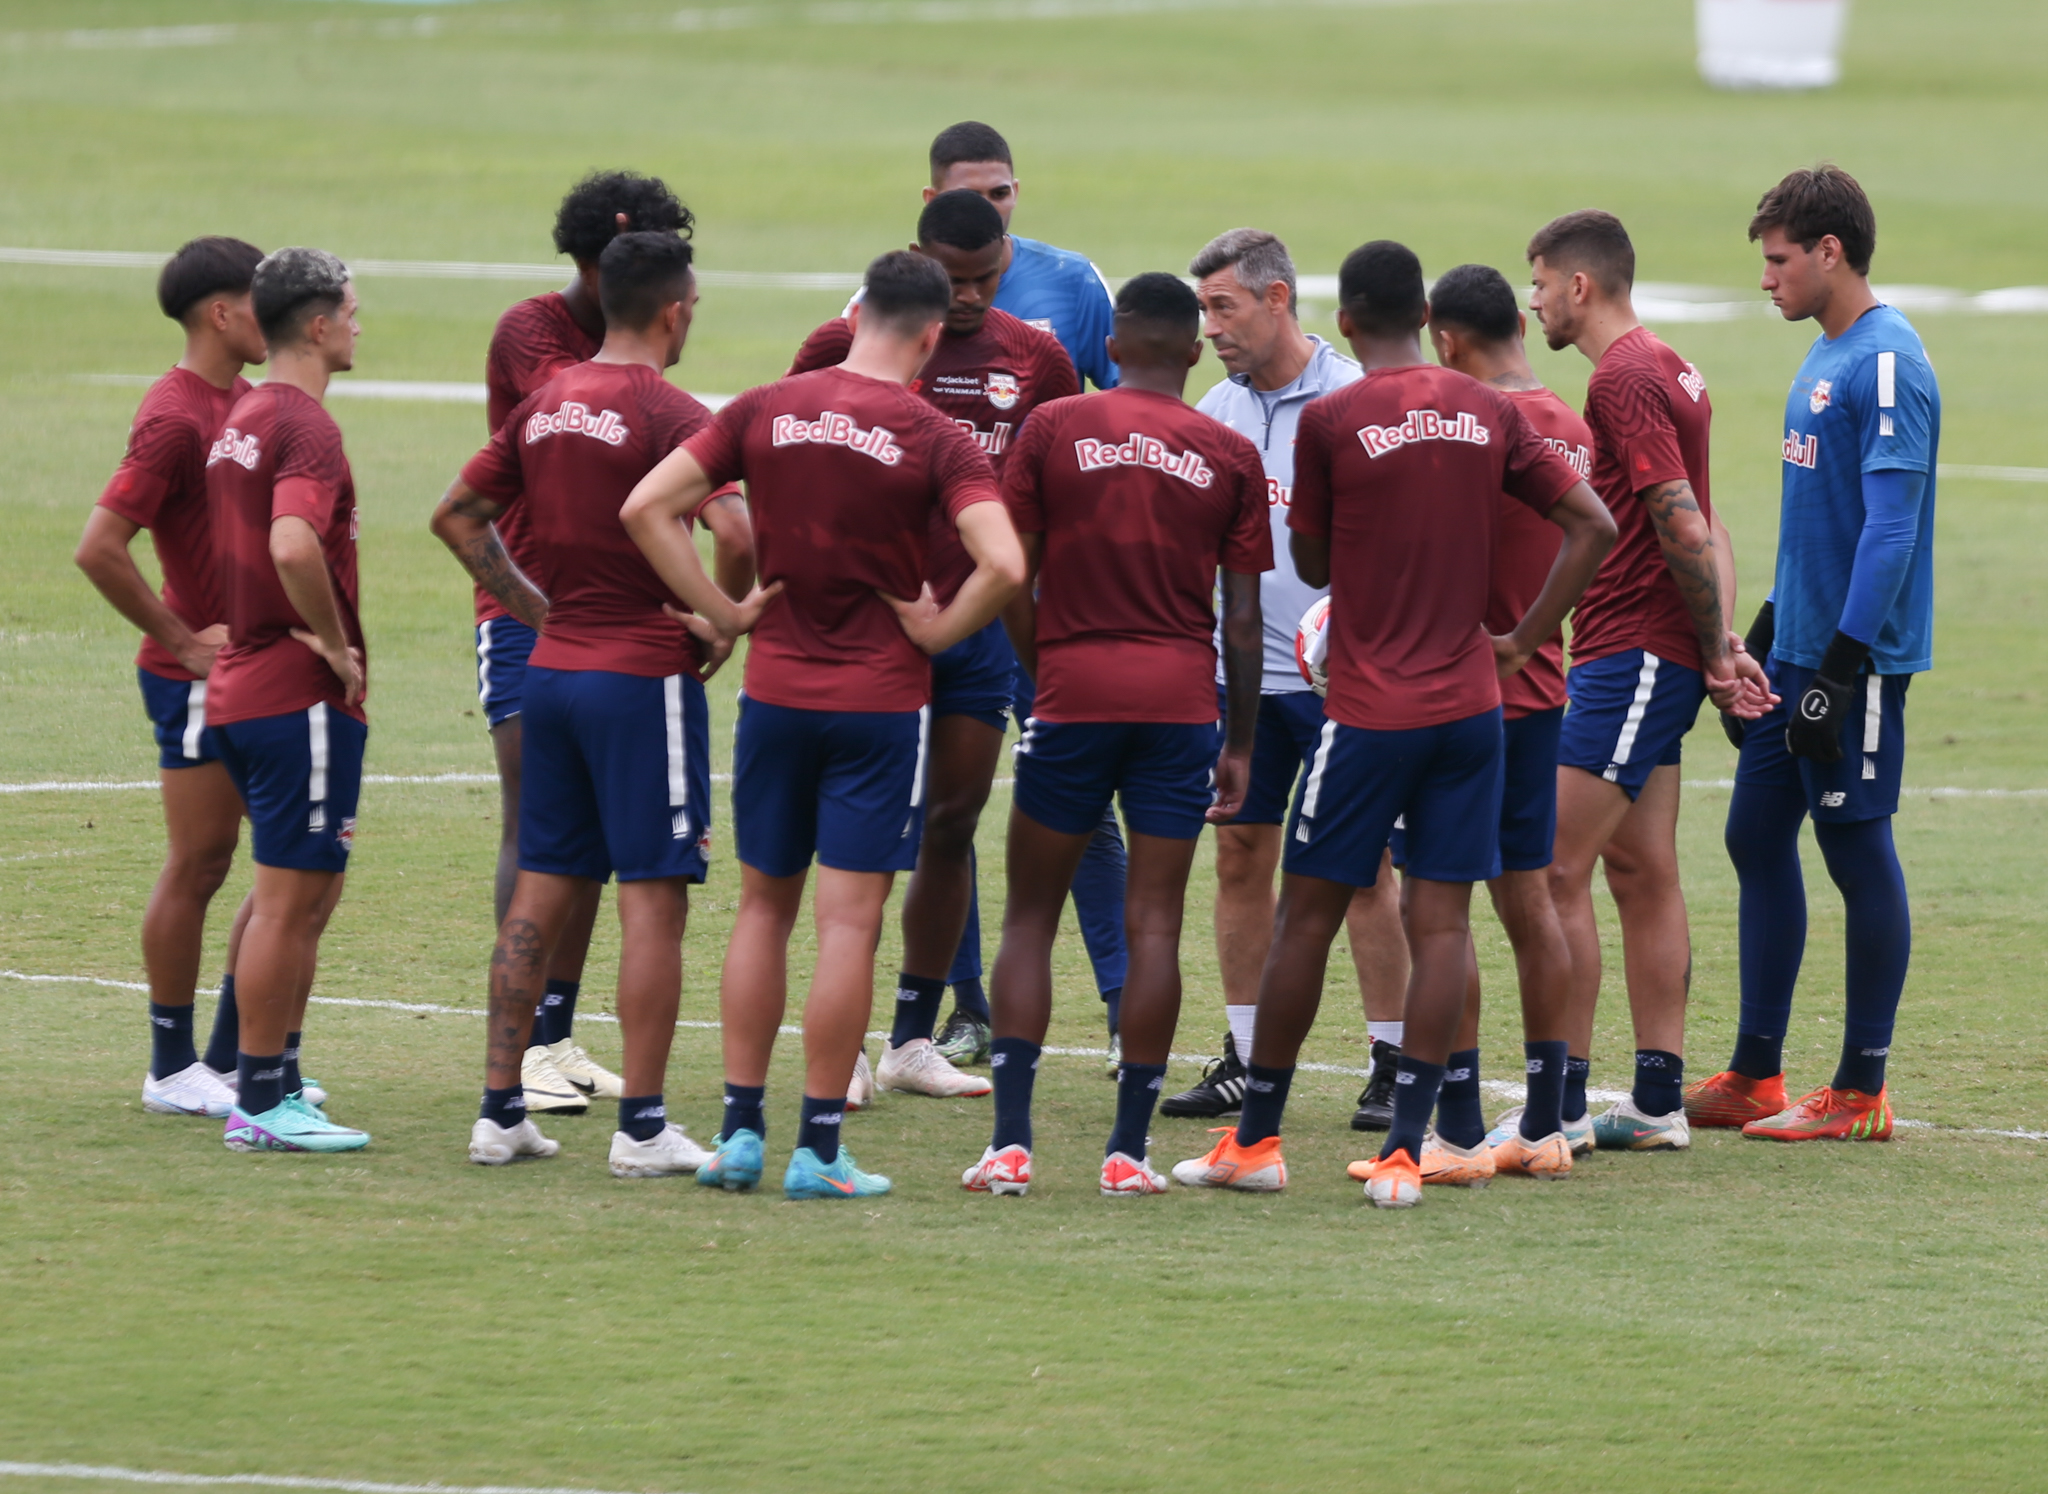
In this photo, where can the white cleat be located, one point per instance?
(918, 1068)
(493, 1145)
(193, 1090)
(584, 1072)
(548, 1090)
(1006, 1172)
(669, 1152)
(1113, 1059)
(860, 1089)
(1127, 1176)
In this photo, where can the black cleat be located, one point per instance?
(1376, 1106)
(1220, 1092)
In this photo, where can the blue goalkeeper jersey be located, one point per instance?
(1866, 401)
(1059, 291)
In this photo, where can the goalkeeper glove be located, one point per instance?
(1758, 643)
(1817, 719)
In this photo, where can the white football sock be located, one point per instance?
(1384, 1032)
(1241, 1029)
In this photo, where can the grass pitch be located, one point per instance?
(1740, 1317)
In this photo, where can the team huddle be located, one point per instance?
(1322, 612)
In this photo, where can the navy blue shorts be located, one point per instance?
(1162, 773)
(1283, 741)
(1629, 713)
(1864, 785)
(177, 709)
(1528, 800)
(299, 776)
(615, 775)
(845, 786)
(1442, 782)
(502, 646)
(977, 677)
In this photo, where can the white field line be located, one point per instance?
(1497, 1086)
(261, 1480)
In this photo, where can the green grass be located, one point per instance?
(1736, 1318)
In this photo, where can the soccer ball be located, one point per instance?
(1312, 646)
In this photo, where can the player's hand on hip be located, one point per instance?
(1508, 657)
(206, 644)
(346, 662)
(1233, 779)
(919, 619)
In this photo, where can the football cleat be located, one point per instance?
(1258, 1168)
(1578, 1134)
(668, 1152)
(916, 1068)
(289, 1127)
(1729, 1099)
(860, 1089)
(493, 1145)
(1396, 1182)
(1003, 1172)
(1125, 1176)
(193, 1090)
(1830, 1115)
(1549, 1159)
(583, 1072)
(1113, 1056)
(1442, 1163)
(964, 1039)
(807, 1177)
(1220, 1091)
(736, 1165)
(1376, 1103)
(548, 1089)
(1623, 1128)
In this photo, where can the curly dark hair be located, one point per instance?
(588, 217)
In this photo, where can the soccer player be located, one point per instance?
(535, 340)
(844, 467)
(1246, 285)
(988, 374)
(1397, 491)
(1650, 643)
(1056, 291)
(617, 740)
(1849, 623)
(161, 486)
(285, 696)
(1129, 504)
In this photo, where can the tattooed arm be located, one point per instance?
(462, 522)
(1687, 538)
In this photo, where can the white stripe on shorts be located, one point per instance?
(1313, 793)
(924, 740)
(483, 664)
(1873, 723)
(1646, 686)
(316, 731)
(195, 717)
(678, 751)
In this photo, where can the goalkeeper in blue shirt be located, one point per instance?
(1849, 622)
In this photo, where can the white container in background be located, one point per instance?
(1771, 43)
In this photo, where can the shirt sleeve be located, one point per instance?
(1095, 318)
(1056, 375)
(159, 448)
(1897, 421)
(1248, 546)
(1634, 413)
(720, 448)
(1024, 471)
(1533, 473)
(494, 472)
(961, 472)
(1309, 513)
(825, 348)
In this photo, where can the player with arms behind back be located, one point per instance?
(844, 467)
(1849, 623)
(1129, 504)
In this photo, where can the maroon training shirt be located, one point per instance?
(986, 384)
(161, 485)
(565, 460)
(1403, 473)
(534, 340)
(843, 474)
(1140, 500)
(1528, 548)
(279, 454)
(1649, 413)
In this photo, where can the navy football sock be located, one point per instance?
(817, 1127)
(1758, 1056)
(969, 997)
(227, 1030)
(1013, 1065)
(1137, 1091)
(1265, 1101)
(917, 1008)
(1879, 926)
(555, 1018)
(260, 1082)
(1576, 1072)
(1415, 1090)
(1763, 842)
(170, 1040)
(1113, 1009)
(293, 1083)
(1543, 1110)
(744, 1110)
(642, 1116)
(504, 1107)
(1460, 1119)
(1660, 1081)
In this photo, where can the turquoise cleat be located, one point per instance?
(735, 1165)
(293, 1126)
(809, 1178)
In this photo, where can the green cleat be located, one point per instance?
(1623, 1128)
(293, 1126)
(964, 1039)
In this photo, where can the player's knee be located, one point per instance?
(199, 871)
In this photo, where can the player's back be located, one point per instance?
(1526, 549)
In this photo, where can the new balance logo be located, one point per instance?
(1833, 799)
(1144, 451)
(574, 419)
(1259, 1086)
(235, 447)
(681, 825)
(1802, 451)
(832, 429)
(651, 1113)
(1424, 425)
(1404, 1077)
(831, 1119)
(317, 820)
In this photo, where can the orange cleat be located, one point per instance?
(1728, 1099)
(1396, 1182)
(1257, 1168)
(1829, 1115)
(1549, 1159)
(1442, 1163)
